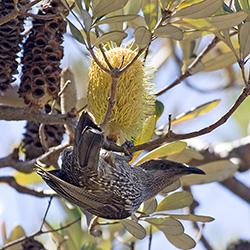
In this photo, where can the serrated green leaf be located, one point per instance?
(171, 188)
(107, 6)
(169, 31)
(215, 171)
(182, 241)
(245, 39)
(150, 12)
(115, 19)
(142, 37)
(175, 201)
(214, 23)
(167, 225)
(76, 33)
(200, 110)
(134, 228)
(110, 36)
(149, 206)
(163, 151)
(199, 10)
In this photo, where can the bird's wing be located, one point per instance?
(97, 202)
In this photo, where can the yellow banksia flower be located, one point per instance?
(133, 101)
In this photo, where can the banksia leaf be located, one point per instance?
(41, 57)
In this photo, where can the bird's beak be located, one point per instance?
(193, 170)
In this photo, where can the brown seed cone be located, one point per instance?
(10, 38)
(32, 244)
(32, 144)
(41, 57)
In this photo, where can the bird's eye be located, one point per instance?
(162, 165)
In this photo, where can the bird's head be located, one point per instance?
(162, 173)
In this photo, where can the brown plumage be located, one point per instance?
(103, 184)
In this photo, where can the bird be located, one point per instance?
(103, 184)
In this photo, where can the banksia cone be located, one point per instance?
(133, 99)
(41, 57)
(10, 38)
(32, 145)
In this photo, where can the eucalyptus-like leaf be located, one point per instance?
(110, 36)
(169, 31)
(164, 151)
(186, 156)
(245, 39)
(159, 108)
(17, 233)
(220, 62)
(134, 228)
(192, 217)
(182, 241)
(150, 12)
(171, 188)
(142, 37)
(76, 33)
(214, 23)
(200, 110)
(149, 206)
(175, 201)
(215, 171)
(87, 20)
(107, 6)
(115, 19)
(199, 10)
(166, 224)
(146, 133)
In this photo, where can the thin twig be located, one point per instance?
(188, 71)
(45, 214)
(170, 136)
(42, 137)
(150, 238)
(11, 181)
(195, 225)
(17, 12)
(38, 233)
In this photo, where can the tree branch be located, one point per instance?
(9, 113)
(171, 136)
(188, 71)
(11, 181)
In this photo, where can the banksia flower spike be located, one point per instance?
(40, 80)
(134, 101)
(10, 37)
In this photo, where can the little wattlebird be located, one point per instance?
(103, 184)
